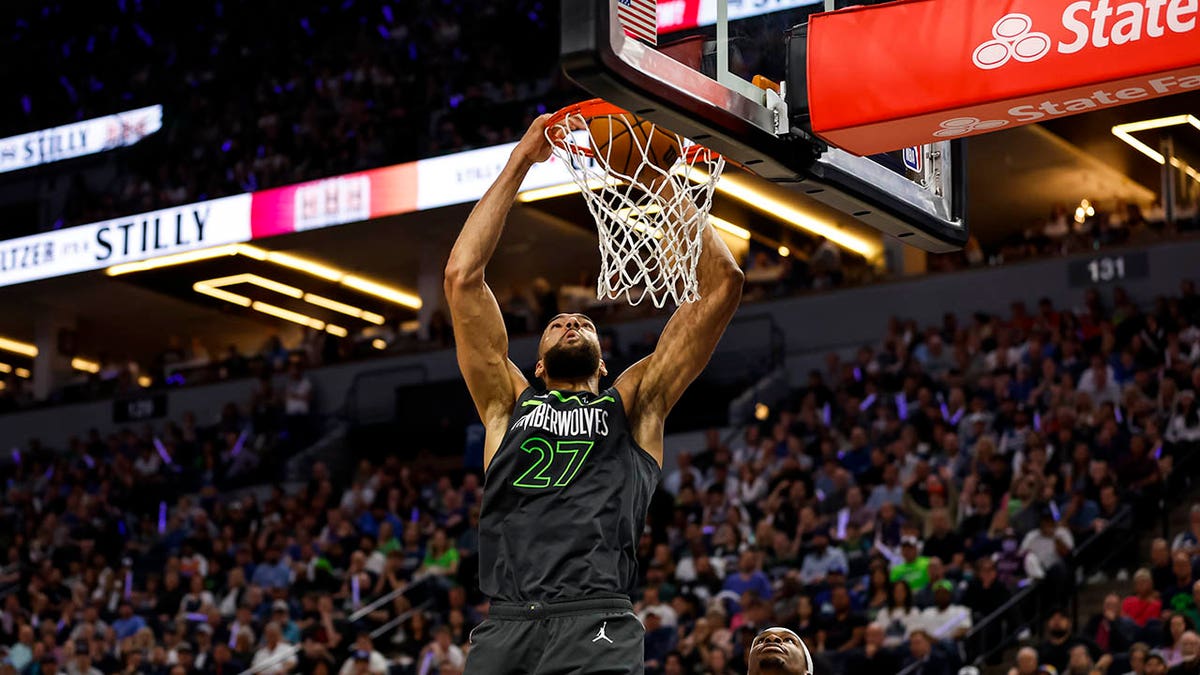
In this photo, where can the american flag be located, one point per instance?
(640, 18)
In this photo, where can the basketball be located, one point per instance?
(622, 142)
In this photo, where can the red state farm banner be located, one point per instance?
(906, 73)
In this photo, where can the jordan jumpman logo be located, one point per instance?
(602, 635)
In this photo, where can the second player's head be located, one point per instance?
(569, 350)
(778, 650)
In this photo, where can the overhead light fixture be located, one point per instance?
(789, 214)
(349, 310)
(174, 259)
(1084, 211)
(287, 315)
(381, 291)
(207, 289)
(213, 288)
(379, 343)
(144, 381)
(784, 251)
(797, 218)
(295, 262)
(304, 265)
(1125, 133)
(85, 365)
(729, 228)
(22, 373)
(18, 347)
(561, 190)
(5, 368)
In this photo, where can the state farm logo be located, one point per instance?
(1013, 38)
(1095, 24)
(966, 125)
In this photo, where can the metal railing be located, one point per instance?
(1028, 607)
(292, 650)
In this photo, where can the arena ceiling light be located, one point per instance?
(213, 288)
(1125, 133)
(85, 365)
(18, 347)
(798, 219)
(729, 228)
(30, 350)
(294, 262)
(560, 190)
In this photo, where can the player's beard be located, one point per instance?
(572, 362)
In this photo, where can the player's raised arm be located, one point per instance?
(652, 386)
(480, 338)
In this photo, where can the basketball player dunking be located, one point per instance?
(568, 471)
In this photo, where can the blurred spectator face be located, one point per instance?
(942, 597)
(1027, 661)
(840, 599)
(442, 636)
(1189, 646)
(875, 635)
(1108, 498)
(1155, 665)
(653, 622)
(940, 520)
(1112, 606)
(1182, 566)
(1143, 583)
(1080, 662)
(1177, 626)
(937, 569)
(1059, 626)
(747, 562)
(919, 645)
(673, 665)
(1160, 553)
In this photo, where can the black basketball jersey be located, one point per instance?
(564, 500)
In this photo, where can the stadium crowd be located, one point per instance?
(899, 497)
(336, 86)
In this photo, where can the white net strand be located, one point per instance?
(650, 224)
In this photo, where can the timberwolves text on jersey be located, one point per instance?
(565, 500)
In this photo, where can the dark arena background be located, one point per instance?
(235, 437)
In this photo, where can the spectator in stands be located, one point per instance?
(945, 620)
(748, 577)
(1188, 662)
(821, 559)
(1048, 546)
(1055, 650)
(912, 567)
(365, 658)
(1155, 665)
(442, 652)
(1027, 662)
(874, 657)
(1112, 632)
(924, 657)
(1144, 605)
(1173, 643)
(842, 631)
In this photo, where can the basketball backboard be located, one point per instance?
(696, 78)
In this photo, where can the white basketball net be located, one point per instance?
(651, 227)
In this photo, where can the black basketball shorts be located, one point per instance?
(595, 635)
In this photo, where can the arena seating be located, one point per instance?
(886, 512)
